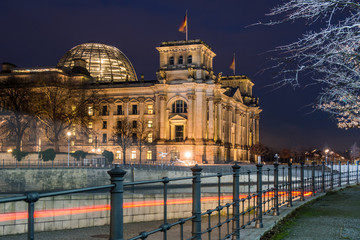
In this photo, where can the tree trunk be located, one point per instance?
(124, 155)
(140, 150)
(56, 146)
(18, 143)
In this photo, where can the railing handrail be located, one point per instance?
(286, 184)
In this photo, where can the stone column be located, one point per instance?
(141, 106)
(162, 116)
(257, 128)
(167, 125)
(199, 116)
(211, 118)
(204, 124)
(126, 107)
(191, 98)
(218, 120)
(237, 128)
(227, 137)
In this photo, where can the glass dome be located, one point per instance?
(105, 63)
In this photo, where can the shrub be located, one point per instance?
(19, 155)
(48, 155)
(78, 155)
(109, 156)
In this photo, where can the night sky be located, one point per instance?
(38, 33)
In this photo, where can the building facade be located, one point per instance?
(191, 113)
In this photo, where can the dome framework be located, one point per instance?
(105, 63)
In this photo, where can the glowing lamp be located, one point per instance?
(188, 154)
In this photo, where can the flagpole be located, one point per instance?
(187, 23)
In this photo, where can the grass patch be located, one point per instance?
(282, 228)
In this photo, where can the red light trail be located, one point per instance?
(72, 211)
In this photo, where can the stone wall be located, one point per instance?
(23, 180)
(87, 210)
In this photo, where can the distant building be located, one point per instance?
(194, 113)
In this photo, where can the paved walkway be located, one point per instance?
(335, 216)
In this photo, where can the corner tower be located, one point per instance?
(185, 61)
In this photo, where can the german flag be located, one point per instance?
(182, 27)
(232, 65)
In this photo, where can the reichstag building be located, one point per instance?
(191, 112)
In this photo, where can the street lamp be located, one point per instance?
(69, 134)
(326, 155)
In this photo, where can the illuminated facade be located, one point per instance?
(191, 112)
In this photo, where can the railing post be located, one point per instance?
(290, 184)
(31, 198)
(323, 176)
(313, 178)
(196, 202)
(116, 203)
(332, 176)
(348, 173)
(357, 172)
(258, 223)
(302, 181)
(276, 189)
(236, 200)
(339, 173)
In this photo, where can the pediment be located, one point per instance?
(178, 117)
(237, 96)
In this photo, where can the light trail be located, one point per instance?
(98, 208)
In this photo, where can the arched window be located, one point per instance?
(171, 61)
(180, 60)
(189, 59)
(179, 107)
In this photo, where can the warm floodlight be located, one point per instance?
(188, 154)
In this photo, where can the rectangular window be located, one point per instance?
(150, 137)
(72, 143)
(134, 109)
(73, 108)
(150, 109)
(90, 111)
(134, 137)
(133, 155)
(90, 138)
(104, 125)
(134, 124)
(118, 155)
(74, 130)
(179, 133)
(149, 155)
(119, 110)
(90, 126)
(104, 111)
(150, 123)
(119, 124)
(104, 138)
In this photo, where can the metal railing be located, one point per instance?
(276, 187)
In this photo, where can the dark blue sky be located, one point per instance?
(38, 33)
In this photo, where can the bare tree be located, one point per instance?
(259, 149)
(142, 132)
(328, 54)
(123, 135)
(60, 105)
(354, 152)
(17, 109)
